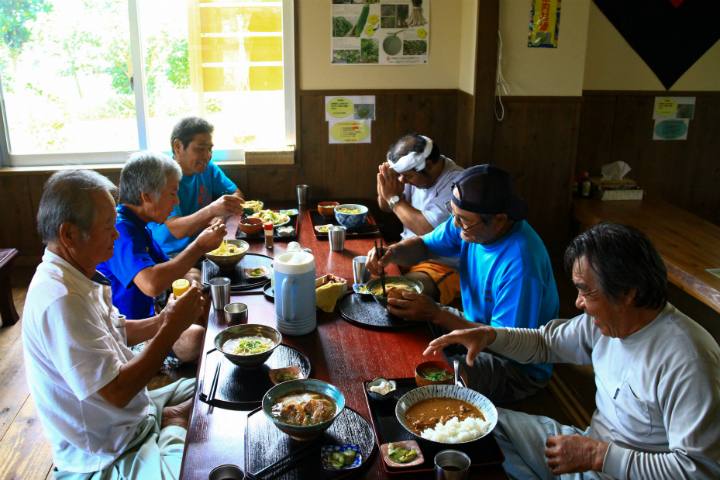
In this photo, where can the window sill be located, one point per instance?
(284, 156)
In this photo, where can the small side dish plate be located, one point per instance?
(407, 445)
(360, 289)
(257, 278)
(294, 369)
(328, 450)
(290, 212)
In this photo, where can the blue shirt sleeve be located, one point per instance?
(221, 184)
(518, 298)
(444, 240)
(131, 255)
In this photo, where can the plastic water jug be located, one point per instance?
(295, 311)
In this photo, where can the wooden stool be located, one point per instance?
(8, 314)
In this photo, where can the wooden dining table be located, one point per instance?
(341, 353)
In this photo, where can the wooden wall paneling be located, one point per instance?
(238, 177)
(595, 137)
(664, 168)
(371, 155)
(537, 144)
(17, 218)
(465, 127)
(485, 71)
(35, 185)
(704, 138)
(313, 130)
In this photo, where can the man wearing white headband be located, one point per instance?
(415, 184)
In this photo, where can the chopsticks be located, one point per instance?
(293, 458)
(382, 272)
(214, 384)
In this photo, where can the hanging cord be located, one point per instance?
(500, 83)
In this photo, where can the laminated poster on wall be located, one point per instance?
(374, 32)
(544, 23)
(672, 117)
(350, 118)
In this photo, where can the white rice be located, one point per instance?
(455, 431)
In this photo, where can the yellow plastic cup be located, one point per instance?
(180, 286)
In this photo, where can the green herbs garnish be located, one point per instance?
(436, 374)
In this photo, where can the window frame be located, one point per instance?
(89, 159)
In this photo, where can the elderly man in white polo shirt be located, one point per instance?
(89, 390)
(415, 184)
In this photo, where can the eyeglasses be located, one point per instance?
(448, 207)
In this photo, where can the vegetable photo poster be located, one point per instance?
(374, 32)
(350, 118)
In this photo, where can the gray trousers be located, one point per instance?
(522, 439)
(499, 379)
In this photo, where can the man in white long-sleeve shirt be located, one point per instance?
(657, 372)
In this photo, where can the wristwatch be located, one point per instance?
(393, 201)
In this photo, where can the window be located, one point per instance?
(90, 81)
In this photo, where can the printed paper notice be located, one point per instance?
(371, 32)
(544, 23)
(350, 118)
(672, 117)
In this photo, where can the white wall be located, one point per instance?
(611, 64)
(468, 46)
(442, 70)
(544, 71)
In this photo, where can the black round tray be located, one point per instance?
(238, 280)
(269, 292)
(363, 311)
(266, 444)
(241, 389)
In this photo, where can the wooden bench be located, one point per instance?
(8, 314)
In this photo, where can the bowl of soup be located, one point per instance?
(248, 346)
(446, 414)
(350, 215)
(434, 373)
(228, 254)
(395, 286)
(303, 408)
(327, 209)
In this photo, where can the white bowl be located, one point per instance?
(446, 391)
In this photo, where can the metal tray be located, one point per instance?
(387, 429)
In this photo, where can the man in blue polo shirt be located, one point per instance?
(139, 270)
(505, 276)
(205, 193)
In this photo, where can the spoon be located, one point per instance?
(456, 366)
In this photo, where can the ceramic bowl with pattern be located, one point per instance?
(247, 330)
(351, 220)
(446, 391)
(375, 283)
(328, 450)
(303, 432)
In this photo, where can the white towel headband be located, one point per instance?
(413, 160)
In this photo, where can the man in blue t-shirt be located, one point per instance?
(139, 270)
(205, 193)
(506, 278)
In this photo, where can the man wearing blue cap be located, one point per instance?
(505, 276)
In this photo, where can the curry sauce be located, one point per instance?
(431, 411)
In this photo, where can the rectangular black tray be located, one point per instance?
(482, 452)
(294, 222)
(369, 227)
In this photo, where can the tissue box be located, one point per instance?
(624, 189)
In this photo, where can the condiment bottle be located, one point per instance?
(585, 192)
(180, 286)
(268, 234)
